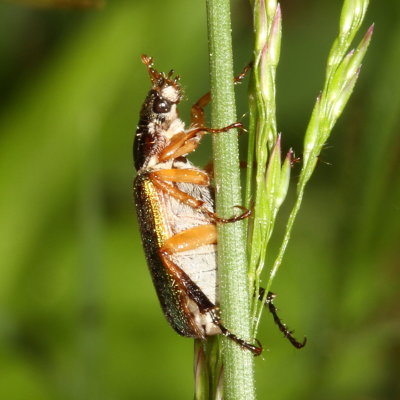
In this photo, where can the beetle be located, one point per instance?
(175, 210)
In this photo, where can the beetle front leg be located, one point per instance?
(185, 142)
(197, 112)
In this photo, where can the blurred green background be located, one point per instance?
(79, 318)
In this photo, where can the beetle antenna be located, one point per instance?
(155, 76)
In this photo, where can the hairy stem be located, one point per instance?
(238, 365)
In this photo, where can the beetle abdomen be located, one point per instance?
(182, 299)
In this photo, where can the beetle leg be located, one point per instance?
(161, 179)
(181, 175)
(188, 240)
(256, 350)
(197, 112)
(238, 79)
(282, 327)
(209, 168)
(185, 142)
(178, 146)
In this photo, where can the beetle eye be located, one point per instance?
(161, 106)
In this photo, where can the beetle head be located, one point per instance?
(166, 87)
(159, 119)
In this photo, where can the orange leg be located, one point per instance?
(161, 179)
(182, 175)
(197, 112)
(177, 141)
(186, 142)
(190, 239)
(209, 168)
(241, 76)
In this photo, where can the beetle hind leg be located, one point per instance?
(256, 350)
(288, 334)
(203, 311)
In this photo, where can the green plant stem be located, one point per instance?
(282, 250)
(343, 68)
(233, 292)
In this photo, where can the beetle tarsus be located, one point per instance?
(288, 334)
(256, 350)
